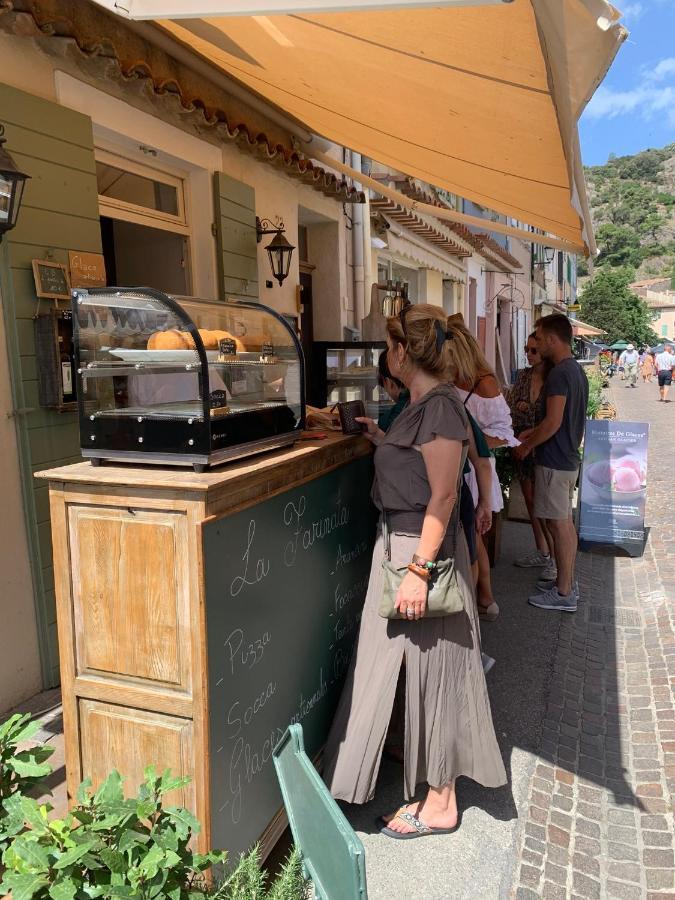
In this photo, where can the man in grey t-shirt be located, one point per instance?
(555, 442)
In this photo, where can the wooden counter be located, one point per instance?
(198, 614)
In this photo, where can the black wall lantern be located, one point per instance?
(549, 256)
(279, 250)
(12, 181)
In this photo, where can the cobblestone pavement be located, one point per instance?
(599, 821)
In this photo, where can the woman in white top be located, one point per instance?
(479, 389)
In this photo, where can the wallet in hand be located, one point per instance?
(348, 412)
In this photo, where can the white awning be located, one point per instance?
(482, 101)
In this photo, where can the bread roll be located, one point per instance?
(226, 336)
(168, 340)
(209, 339)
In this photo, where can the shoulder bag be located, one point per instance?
(444, 597)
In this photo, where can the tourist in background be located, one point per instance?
(647, 367)
(526, 401)
(556, 442)
(630, 360)
(665, 363)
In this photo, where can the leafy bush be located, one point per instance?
(21, 771)
(107, 846)
(595, 380)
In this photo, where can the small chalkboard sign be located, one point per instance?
(227, 347)
(51, 279)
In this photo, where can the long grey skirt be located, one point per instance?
(448, 722)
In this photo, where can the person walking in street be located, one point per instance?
(448, 723)
(526, 401)
(665, 363)
(630, 360)
(647, 367)
(555, 442)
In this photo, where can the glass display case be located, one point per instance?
(181, 381)
(348, 371)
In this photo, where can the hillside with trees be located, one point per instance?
(632, 202)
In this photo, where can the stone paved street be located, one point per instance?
(600, 819)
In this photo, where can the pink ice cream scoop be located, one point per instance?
(626, 479)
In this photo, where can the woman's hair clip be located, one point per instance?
(442, 335)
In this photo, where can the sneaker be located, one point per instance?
(551, 599)
(533, 560)
(488, 662)
(543, 585)
(549, 572)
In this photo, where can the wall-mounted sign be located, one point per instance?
(87, 270)
(573, 307)
(51, 279)
(614, 485)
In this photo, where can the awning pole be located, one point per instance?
(440, 212)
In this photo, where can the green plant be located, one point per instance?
(21, 771)
(107, 846)
(595, 380)
(249, 882)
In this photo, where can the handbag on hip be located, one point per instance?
(444, 597)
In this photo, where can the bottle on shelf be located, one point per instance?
(66, 362)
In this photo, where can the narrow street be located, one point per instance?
(583, 709)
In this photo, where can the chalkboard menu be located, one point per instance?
(285, 585)
(51, 279)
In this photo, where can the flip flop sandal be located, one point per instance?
(421, 830)
(381, 822)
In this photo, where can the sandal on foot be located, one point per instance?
(421, 830)
(382, 822)
(488, 613)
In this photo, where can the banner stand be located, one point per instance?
(613, 488)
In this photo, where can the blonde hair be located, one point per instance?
(422, 328)
(467, 360)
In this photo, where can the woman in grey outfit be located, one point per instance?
(448, 722)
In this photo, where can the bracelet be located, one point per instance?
(427, 564)
(419, 571)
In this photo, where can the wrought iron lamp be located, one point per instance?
(12, 182)
(549, 256)
(279, 250)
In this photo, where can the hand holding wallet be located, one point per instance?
(348, 412)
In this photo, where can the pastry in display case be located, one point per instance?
(348, 371)
(182, 381)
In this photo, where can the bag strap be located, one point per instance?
(452, 523)
(473, 389)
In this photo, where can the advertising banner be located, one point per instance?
(614, 486)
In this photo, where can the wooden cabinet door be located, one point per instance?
(130, 595)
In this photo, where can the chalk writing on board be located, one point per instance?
(355, 592)
(307, 704)
(344, 558)
(238, 716)
(245, 653)
(262, 566)
(306, 534)
(248, 761)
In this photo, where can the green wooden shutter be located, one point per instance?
(55, 147)
(237, 249)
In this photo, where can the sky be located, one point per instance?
(634, 107)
